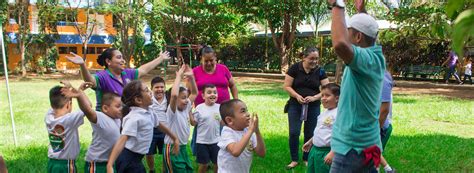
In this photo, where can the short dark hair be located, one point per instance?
(227, 108)
(56, 98)
(156, 80)
(209, 85)
(205, 50)
(308, 51)
(368, 40)
(108, 97)
(333, 87)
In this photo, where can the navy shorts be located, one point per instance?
(129, 162)
(157, 142)
(206, 153)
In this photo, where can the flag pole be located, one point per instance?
(8, 86)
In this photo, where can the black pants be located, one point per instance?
(129, 162)
(469, 77)
(294, 114)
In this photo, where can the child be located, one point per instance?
(179, 117)
(105, 127)
(237, 140)
(158, 107)
(137, 130)
(468, 71)
(208, 121)
(62, 125)
(320, 156)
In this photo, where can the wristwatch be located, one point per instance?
(337, 3)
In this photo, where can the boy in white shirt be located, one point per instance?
(105, 127)
(238, 141)
(62, 125)
(319, 146)
(468, 71)
(179, 118)
(208, 120)
(159, 106)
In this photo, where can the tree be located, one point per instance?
(129, 22)
(86, 28)
(463, 29)
(19, 11)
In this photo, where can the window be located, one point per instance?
(101, 49)
(91, 50)
(63, 50)
(73, 49)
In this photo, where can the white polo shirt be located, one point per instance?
(208, 121)
(226, 161)
(323, 130)
(178, 122)
(105, 133)
(138, 126)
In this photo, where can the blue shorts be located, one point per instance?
(129, 162)
(157, 142)
(206, 153)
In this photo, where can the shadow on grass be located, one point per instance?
(403, 98)
(419, 153)
(33, 159)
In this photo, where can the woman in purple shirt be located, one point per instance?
(451, 63)
(115, 76)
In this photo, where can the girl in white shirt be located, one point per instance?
(319, 147)
(137, 130)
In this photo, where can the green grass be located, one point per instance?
(431, 133)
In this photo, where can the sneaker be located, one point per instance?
(392, 171)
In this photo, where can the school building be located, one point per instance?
(69, 39)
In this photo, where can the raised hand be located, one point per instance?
(86, 85)
(165, 55)
(188, 72)
(66, 83)
(74, 58)
(255, 121)
(360, 6)
(71, 92)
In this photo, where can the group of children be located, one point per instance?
(141, 121)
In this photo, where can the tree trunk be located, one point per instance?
(339, 68)
(284, 57)
(22, 55)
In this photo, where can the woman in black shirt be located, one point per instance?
(302, 83)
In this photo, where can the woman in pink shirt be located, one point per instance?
(210, 72)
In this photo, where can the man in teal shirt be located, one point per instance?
(356, 131)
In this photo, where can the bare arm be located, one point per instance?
(233, 88)
(175, 139)
(86, 107)
(287, 87)
(192, 119)
(175, 89)
(340, 37)
(118, 147)
(193, 87)
(384, 109)
(260, 150)
(317, 96)
(145, 68)
(237, 148)
(86, 76)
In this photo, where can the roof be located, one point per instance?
(307, 30)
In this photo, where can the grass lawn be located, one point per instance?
(431, 133)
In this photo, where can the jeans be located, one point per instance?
(294, 113)
(452, 70)
(351, 162)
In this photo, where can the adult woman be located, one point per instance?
(302, 83)
(115, 76)
(210, 72)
